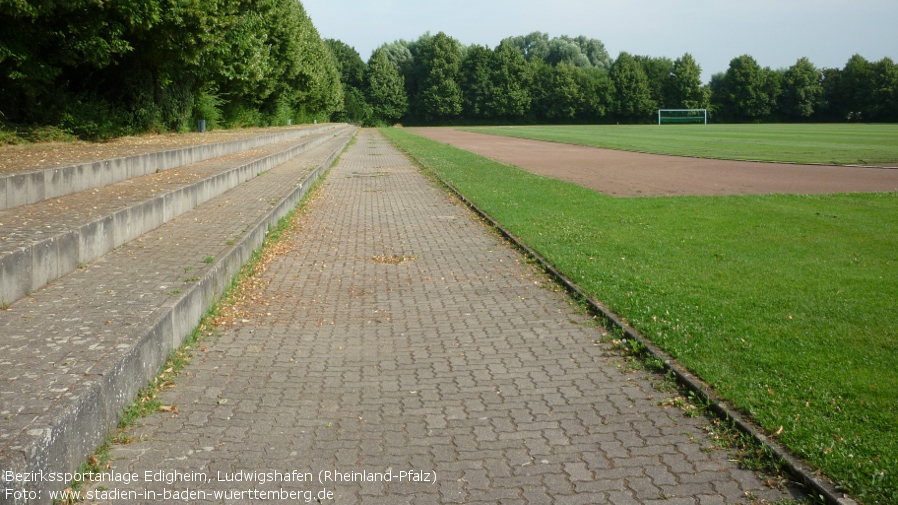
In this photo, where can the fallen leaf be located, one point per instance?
(169, 408)
(778, 432)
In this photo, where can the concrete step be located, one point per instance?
(46, 240)
(23, 188)
(74, 354)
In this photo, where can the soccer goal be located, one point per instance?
(682, 116)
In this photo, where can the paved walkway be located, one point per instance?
(404, 336)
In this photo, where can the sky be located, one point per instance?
(775, 32)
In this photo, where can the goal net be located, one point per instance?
(679, 116)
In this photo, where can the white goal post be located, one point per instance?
(683, 116)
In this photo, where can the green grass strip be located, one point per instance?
(839, 144)
(784, 304)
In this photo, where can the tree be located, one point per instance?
(304, 78)
(802, 91)
(579, 51)
(657, 72)
(399, 53)
(594, 49)
(349, 63)
(352, 76)
(566, 98)
(99, 68)
(633, 95)
(830, 81)
(683, 88)
(476, 81)
(39, 41)
(748, 90)
(855, 91)
(385, 90)
(564, 50)
(598, 91)
(533, 45)
(440, 95)
(510, 82)
(885, 91)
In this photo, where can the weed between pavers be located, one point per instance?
(392, 259)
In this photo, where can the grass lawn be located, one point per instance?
(839, 144)
(784, 304)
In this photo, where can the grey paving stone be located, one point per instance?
(454, 360)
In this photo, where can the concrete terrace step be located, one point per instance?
(46, 240)
(73, 354)
(24, 188)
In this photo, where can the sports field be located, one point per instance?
(624, 173)
(839, 144)
(784, 304)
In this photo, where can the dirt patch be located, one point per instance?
(622, 173)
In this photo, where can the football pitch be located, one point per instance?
(837, 144)
(783, 303)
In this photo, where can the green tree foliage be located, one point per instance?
(349, 63)
(683, 88)
(594, 49)
(853, 96)
(566, 99)
(802, 91)
(103, 67)
(564, 50)
(748, 89)
(657, 71)
(476, 81)
(532, 46)
(385, 89)
(510, 81)
(578, 51)
(440, 95)
(356, 108)
(598, 91)
(352, 76)
(106, 67)
(885, 91)
(633, 91)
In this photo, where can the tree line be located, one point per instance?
(103, 68)
(538, 79)
(100, 69)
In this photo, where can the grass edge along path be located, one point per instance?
(781, 303)
(815, 144)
